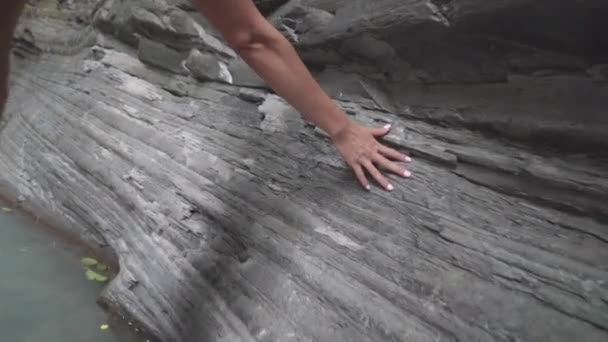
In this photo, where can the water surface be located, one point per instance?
(44, 295)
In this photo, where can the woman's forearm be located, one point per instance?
(275, 60)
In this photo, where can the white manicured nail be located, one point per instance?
(390, 187)
(406, 173)
(368, 188)
(387, 126)
(408, 159)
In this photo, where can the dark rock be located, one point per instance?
(268, 6)
(529, 61)
(599, 72)
(321, 57)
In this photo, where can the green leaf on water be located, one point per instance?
(88, 262)
(101, 267)
(95, 270)
(6, 210)
(92, 275)
(104, 327)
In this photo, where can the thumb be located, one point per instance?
(381, 131)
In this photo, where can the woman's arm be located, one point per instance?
(274, 59)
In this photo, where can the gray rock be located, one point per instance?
(185, 5)
(183, 23)
(228, 218)
(161, 56)
(314, 19)
(156, 20)
(148, 20)
(207, 67)
(252, 95)
(244, 76)
(359, 17)
(327, 5)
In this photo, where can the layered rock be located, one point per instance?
(519, 59)
(231, 219)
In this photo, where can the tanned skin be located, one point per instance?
(276, 61)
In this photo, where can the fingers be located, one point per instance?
(371, 168)
(361, 176)
(380, 160)
(390, 166)
(394, 154)
(366, 155)
(381, 131)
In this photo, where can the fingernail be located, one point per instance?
(408, 159)
(406, 173)
(390, 187)
(387, 126)
(367, 187)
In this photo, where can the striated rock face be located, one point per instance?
(132, 125)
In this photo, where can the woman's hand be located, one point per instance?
(362, 152)
(275, 60)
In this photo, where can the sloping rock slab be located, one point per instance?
(232, 220)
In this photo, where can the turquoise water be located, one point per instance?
(44, 294)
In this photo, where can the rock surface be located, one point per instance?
(231, 219)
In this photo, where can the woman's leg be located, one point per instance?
(9, 15)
